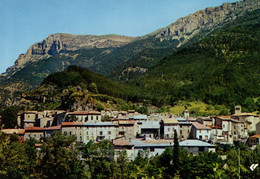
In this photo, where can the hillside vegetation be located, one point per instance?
(222, 68)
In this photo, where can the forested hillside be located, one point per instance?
(222, 68)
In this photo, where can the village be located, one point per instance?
(132, 131)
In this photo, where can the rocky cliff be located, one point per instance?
(58, 43)
(187, 27)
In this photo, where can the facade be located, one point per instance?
(199, 131)
(84, 116)
(34, 132)
(184, 129)
(128, 129)
(197, 146)
(86, 131)
(150, 129)
(170, 125)
(120, 145)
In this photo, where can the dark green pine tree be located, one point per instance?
(176, 151)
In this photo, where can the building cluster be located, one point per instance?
(133, 132)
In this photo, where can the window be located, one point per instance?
(206, 137)
(207, 131)
(86, 119)
(80, 138)
(87, 138)
(101, 133)
(223, 125)
(200, 131)
(70, 132)
(173, 129)
(168, 129)
(200, 137)
(109, 132)
(201, 149)
(151, 149)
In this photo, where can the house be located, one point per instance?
(120, 145)
(197, 146)
(139, 117)
(206, 121)
(44, 122)
(19, 132)
(151, 147)
(258, 128)
(216, 136)
(98, 131)
(184, 128)
(34, 132)
(92, 130)
(50, 130)
(254, 140)
(27, 119)
(199, 131)
(225, 123)
(85, 116)
(73, 128)
(169, 126)
(249, 119)
(150, 129)
(128, 129)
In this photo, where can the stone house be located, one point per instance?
(85, 116)
(169, 126)
(120, 145)
(128, 129)
(34, 132)
(199, 131)
(150, 129)
(184, 128)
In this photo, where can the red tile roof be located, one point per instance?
(256, 136)
(122, 143)
(199, 126)
(53, 128)
(214, 127)
(34, 129)
(71, 123)
(84, 112)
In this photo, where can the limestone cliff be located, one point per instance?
(187, 27)
(58, 43)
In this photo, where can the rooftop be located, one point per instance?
(13, 131)
(34, 129)
(150, 125)
(171, 121)
(53, 128)
(244, 114)
(142, 117)
(195, 143)
(84, 113)
(199, 126)
(122, 143)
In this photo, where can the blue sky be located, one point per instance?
(25, 22)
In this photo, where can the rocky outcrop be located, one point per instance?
(187, 27)
(58, 43)
(131, 72)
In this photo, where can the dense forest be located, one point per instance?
(59, 157)
(220, 69)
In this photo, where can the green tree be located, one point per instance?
(93, 88)
(9, 117)
(176, 151)
(59, 158)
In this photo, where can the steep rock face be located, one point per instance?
(58, 43)
(185, 28)
(131, 72)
